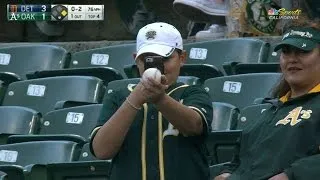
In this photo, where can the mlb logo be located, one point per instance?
(273, 12)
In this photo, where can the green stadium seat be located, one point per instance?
(224, 116)
(19, 60)
(3, 89)
(274, 56)
(106, 74)
(43, 94)
(39, 152)
(18, 120)
(224, 148)
(233, 68)
(241, 90)
(131, 71)
(86, 154)
(112, 56)
(217, 52)
(224, 120)
(202, 71)
(70, 124)
(14, 172)
(29, 159)
(248, 116)
(80, 120)
(190, 80)
(91, 170)
(119, 84)
(86, 168)
(3, 176)
(251, 114)
(222, 144)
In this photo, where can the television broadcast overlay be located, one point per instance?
(55, 12)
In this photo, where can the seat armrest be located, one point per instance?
(222, 138)
(68, 104)
(202, 71)
(106, 74)
(9, 77)
(215, 170)
(54, 137)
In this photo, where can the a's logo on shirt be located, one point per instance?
(295, 116)
(171, 131)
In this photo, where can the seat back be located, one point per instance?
(39, 152)
(18, 120)
(86, 154)
(22, 59)
(78, 120)
(251, 114)
(224, 116)
(113, 56)
(274, 56)
(217, 52)
(42, 94)
(3, 89)
(190, 80)
(86, 168)
(120, 84)
(224, 119)
(3, 176)
(241, 90)
(13, 172)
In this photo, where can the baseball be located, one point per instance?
(152, 73)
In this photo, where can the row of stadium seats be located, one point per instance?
(47, 160)
(50, 101)
(205, 60)
(46, 94)
(57, 153)
(49, 112)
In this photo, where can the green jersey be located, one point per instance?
(153, 148)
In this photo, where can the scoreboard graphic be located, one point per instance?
(56, 12)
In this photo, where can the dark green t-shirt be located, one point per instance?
(285, 133)
(183, 157)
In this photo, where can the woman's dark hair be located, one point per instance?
(283, 87)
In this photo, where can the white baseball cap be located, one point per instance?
(158, 38)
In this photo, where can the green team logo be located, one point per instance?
(151, 35)
(257, 12)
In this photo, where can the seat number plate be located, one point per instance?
(74, 118)
(100, 59)
(232, 87)
(36, 90)
(198, 53)
(5, 59)
(8, 156)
